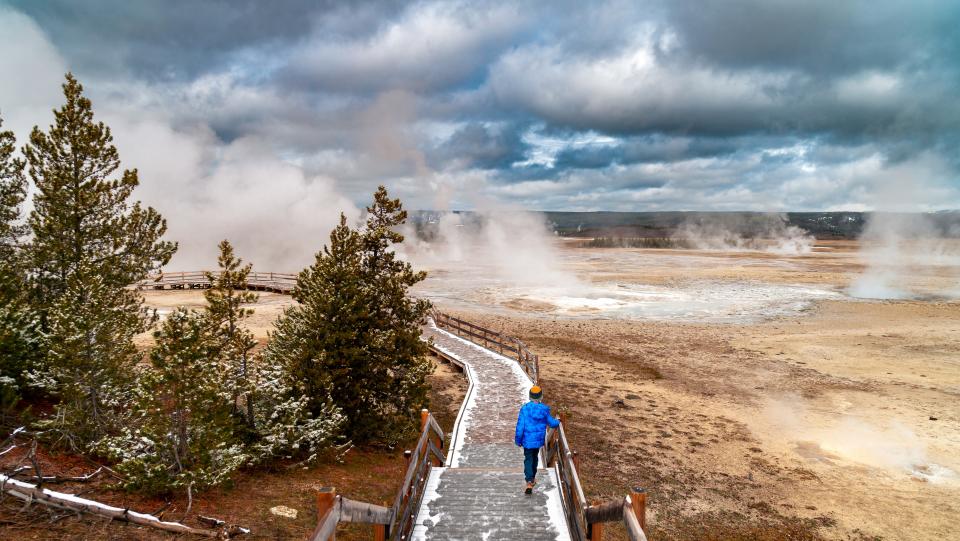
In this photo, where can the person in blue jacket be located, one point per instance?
(531, 433)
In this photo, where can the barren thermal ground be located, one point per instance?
(748, 392)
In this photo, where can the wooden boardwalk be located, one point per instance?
(478, 493)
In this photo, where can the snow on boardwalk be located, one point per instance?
(479, 493)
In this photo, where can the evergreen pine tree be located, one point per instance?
(81, 217)
(184, 437)
(13, 191)
(89, 243)
(290, 422)
(91, 358)
(225, 310)
(19, 332)
(355, 334)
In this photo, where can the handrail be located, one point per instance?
(278, 282)
(584, 519)
(632, 521)
(396, 521)
(625, 511)
(486, 337)
(419, 463)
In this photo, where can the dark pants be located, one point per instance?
(530, 458)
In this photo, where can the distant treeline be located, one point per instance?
(664, 225)
(638, 242)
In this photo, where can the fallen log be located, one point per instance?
(56, 479)
(33, 494)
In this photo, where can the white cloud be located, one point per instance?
(33, 72)
(431, 45)
(630, 89)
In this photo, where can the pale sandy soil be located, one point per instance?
(266, 311)
(839, 419)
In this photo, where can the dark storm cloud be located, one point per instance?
(185, 38)
(655, 148)
(476, 145)
(557, 104)
(818, 36)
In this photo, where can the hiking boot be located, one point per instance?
(529, 488)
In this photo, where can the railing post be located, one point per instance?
(595, 531)
(638, 499)
(326, 497)
(424, 416)
(379, 532)
(576, 460)
(407, 455)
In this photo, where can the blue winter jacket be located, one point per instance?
(532, 425)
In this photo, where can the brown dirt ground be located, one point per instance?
(814, 427)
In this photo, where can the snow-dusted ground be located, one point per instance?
(479, 494)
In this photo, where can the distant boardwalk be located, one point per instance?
(478, 494)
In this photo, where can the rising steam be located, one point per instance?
(891, 445)
(907, 256)
(746, 232)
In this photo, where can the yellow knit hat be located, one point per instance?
(536, 393)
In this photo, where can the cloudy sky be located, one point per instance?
(288, 106)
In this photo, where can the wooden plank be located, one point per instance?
(575, 475)
(328, 511)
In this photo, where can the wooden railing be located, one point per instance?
(277, 282)
(631, 511)
(333, 509)
(397, 521)
(585, 520)
(492, 340)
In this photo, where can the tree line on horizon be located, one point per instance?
(344, 365)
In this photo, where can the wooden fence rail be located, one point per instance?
(395, 522)
(492, 340)
(585, 520)
(277, 282)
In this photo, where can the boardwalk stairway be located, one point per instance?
(475, 489)
(478, 493)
